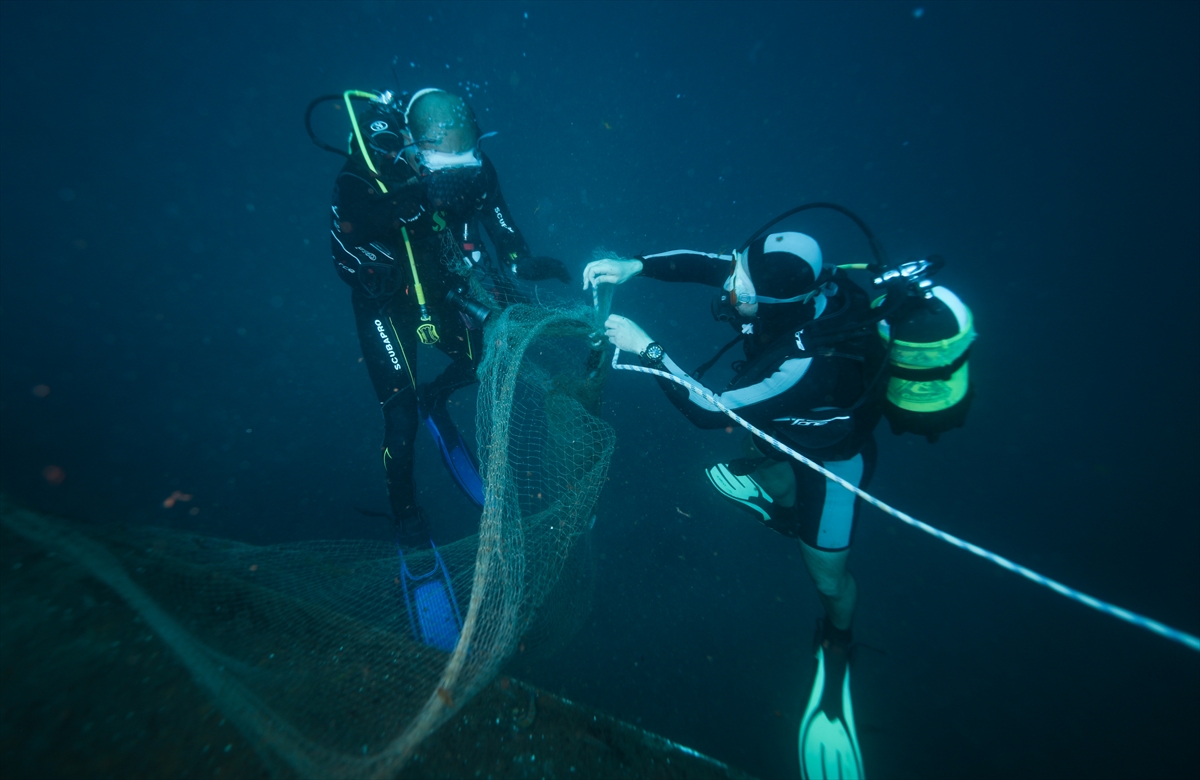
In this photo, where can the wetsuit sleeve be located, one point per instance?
(365, 211)
(759, 404)
(498, 221)
(684, 265)
(363, 224)
(353, 194)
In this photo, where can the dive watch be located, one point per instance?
(653, 353)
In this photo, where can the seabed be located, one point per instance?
(87, 690)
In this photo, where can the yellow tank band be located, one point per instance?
(932, 354)
(929, 396)
(907, 354)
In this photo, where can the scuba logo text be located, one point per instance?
(387, 344)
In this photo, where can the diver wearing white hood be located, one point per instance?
(821, 396)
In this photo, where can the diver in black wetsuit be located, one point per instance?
(822, 399)
(405, 235)
(820, 394)
(823, 363)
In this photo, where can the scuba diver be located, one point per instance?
(408, 206)
(822, 366)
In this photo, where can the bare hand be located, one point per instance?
(625, 334)
(611, 271)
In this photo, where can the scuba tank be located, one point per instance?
(381, 135)
(929, 341)
(926, 330)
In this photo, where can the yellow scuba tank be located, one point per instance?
(929, 390)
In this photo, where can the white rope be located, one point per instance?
(1174, 634)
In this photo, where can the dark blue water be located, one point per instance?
(166, 276)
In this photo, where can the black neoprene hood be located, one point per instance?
(778, 274)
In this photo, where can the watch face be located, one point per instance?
(654, 352)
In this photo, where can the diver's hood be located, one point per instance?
(783, 268)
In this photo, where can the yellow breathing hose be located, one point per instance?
(362, 147)
(426, 331)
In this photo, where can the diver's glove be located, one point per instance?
(535, 269)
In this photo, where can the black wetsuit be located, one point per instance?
(370, 254)
(823, 398)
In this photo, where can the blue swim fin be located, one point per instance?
(433, 613)
(454, 451)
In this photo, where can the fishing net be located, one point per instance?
(335, 659)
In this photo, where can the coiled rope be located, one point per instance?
(1173, 634)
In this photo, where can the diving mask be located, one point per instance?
(738, 285)
(741, 288)
(433, 160)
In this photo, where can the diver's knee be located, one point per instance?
(401, 405)
(827, 569)
(400, 420)
(832, 584)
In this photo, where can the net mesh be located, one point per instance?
(315, 650)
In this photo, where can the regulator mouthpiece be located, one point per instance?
(724, 311)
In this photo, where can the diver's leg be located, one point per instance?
(389, 352)
(464, 347)
(399, 442)
(836, 587)
(432, 399)
(828, 515)
(828, 511)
